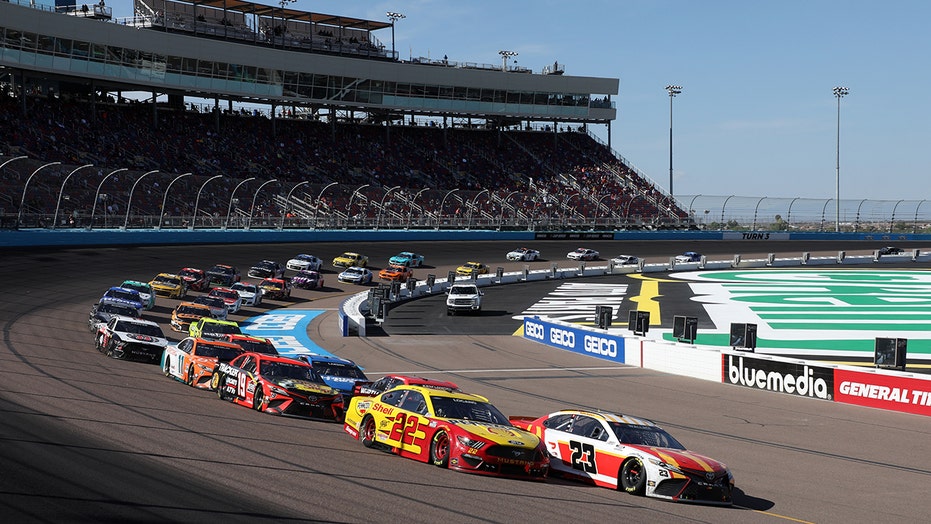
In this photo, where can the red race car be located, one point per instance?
(277, 385)
(196, 279)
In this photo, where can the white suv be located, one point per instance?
(463, 297)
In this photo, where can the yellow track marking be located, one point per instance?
(646, 300)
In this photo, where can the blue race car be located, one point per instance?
(406, 259)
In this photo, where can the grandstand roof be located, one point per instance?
(291, 14)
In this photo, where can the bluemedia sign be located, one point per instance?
(583, 341)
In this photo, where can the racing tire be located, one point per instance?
(367, 434)
(633, 477)
(166, 367)
(99, 343)
(258, 399)
(439, 450)
(189, 380)
(215, 384)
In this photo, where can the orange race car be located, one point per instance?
(396, 273)
(187, 312)
(193, 360)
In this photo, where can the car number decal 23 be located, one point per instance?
(583, 456)
(406, 431)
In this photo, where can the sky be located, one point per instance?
(757, 115)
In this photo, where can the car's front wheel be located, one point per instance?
(633, 477)
(258, 399)
(367, 435)
(167, 366)
(190, 376)
(439, 449)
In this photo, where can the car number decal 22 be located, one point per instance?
(406, 431)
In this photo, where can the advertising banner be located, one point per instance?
(570, 338)
(889, 392)
(803, 380)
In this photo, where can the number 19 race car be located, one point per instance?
(633, 454)
(447, 428)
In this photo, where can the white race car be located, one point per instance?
(304, 262)
(125, 337)
(583, 254)
(232, 298)
(634, 454)
(524, 254)
(625, 260)
(688, 256)
(251, 294)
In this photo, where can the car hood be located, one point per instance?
(303, 386)
(501, 435)
(684, 459)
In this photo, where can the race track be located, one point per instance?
(85, 438)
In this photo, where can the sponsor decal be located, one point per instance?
(803, 380)
(533, 330)
(584, 341)
(562, 337)
(755, 235)
(544, 235)
(889, 392)
(381, 408)
(516, 443)
(600, 345)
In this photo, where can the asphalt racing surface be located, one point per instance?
(85, 438)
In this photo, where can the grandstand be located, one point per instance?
(314, 123)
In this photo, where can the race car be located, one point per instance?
(407, 259)
(187, 312)
(277, 385)
(126, 337)
(625, 260)
(251, 344)
(213, 329)
(349, 259)
(688, 256)
(230, 296)
(447, 428)
(355, 275)
(169, 284)
(146, 294)
(196, 279)
(193, 360)
(266, 269)
(122, 297)
(223, 275)
(101, 313)
(583, 254)
(307, 279)
(251, 293)
(396, 273)
(276, 288)
(524, 254)
(218, 307)
(634, 454)
(472, 268)
(371, 389)
(304, 262)
(338, 373)
(891, 250)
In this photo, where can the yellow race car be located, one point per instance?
(169, 284)
(472, 268)
(447, 428)
(350, 259)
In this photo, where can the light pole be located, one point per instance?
(97, 195)
(287, 201)
(320, 200)
(839, 92)
(197, 200)
(284, 22)
(256, 197)
(19, 218)
(62, 192)
(673, 91)
(504, 58)
(129, 201)
(165, 198)
(229, 210)
(394, 17)
(349, 207)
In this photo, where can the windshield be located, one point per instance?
(210, 301)
(137, 287)
(232, 295)
(193, 274)
(288, 370)
(645, 436)
(122, 295)
(463, 290)
(221, 269)
(248, 288)
(272, 284)
(191, 310)
(465, 409)
(116, 309)
(222, 353)
(221, 329)
(140, 329)
(168, 280)
(256, 346)
(335, 369)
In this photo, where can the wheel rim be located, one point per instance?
(190, 375)
(257, 399)
(441, 447)
(368, 432)
(633, 473)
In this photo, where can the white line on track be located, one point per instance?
(512, 370)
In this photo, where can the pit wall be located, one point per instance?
(890, 390)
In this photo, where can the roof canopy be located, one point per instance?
(252, 8)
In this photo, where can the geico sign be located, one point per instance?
(562, 337)
(770, 377)
(534, 330)
(600, 346)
